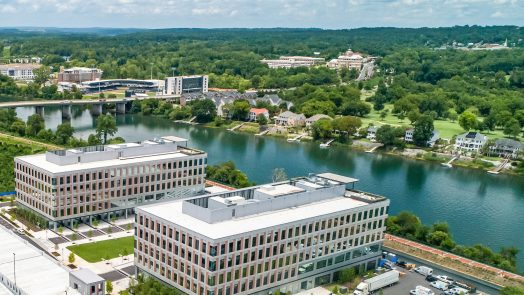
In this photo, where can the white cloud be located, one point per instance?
(259, 13)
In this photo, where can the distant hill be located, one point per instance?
(53, 30)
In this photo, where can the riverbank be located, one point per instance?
(419, 154)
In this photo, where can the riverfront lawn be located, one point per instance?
(94, 252)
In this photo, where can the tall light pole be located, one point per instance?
(173, 69)
(14, 266)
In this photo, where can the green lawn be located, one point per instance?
(446, 128)
(94, 252)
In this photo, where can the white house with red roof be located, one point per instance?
(255, 112)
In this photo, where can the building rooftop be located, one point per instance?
(36, 272)
(222, 215)
(19, 66)
(87, 276)
(167, 147)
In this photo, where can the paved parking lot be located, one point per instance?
(409, 282)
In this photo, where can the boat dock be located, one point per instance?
(373, 149)
(190, 121)
(262, 133)
(327, 144)
(296, 138)
(236, 127)
(497, 169)
(448, 163)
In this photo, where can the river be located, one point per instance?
(479, 207)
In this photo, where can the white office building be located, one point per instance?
(288, 236)
(186, 84)
(19, 71)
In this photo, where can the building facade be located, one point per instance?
(186, 84)
(290, 119)
(286, 236)
(470, 142)
(255, 112)
(288, 62)
(79, 74)
(349, 60)
(19, 71)
(79, 184)
(408, 137)
(506, 148)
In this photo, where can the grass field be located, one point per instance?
(94, 252)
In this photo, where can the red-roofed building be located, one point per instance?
(254, 112)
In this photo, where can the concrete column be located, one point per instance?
(96, 109)
(121, 108)
(66, 111)
(90, 220)
(126, 213)
(39, 110)
(109, 217)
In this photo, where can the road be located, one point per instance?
(9, 226)
(14, 104)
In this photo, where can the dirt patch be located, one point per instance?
(71, 266)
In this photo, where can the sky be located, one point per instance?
(328, 14)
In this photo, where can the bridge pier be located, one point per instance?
(66, 111)
(39, 110)
(121, 108)
(96, 109)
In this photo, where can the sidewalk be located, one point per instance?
(461, 259)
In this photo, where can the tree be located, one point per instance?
(71, 257)
(347, 125)
(18, 127)
(322, 129)
(383, 114)
(262, 120)
(467, 120)
(423, 130)
(512, 128)
(278, 175)
(60, 230)
(90, 234)
(512, 290)
(105, 125)
(452, 115)
(92, 139)
(109, 287)
(63, 133)
(41, 75)
(413, 116)
(204, 110)
(355, 108)
(35, 123)
(240, 109)
(314, 107)
(347, 275)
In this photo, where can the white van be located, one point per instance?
(424, 270)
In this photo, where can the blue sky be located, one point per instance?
(334, 14)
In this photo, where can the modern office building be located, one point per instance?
(186, 84)
(98, 181)
(288, 62)
(79, 74)
(288, 236)
(19, 71)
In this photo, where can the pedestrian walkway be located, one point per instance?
(463, 260)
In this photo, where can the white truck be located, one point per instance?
(378, 282)
(424, 270)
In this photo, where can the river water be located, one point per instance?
(479, 207)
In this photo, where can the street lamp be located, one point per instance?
(152, 71)
(14, 266)
(173, 69)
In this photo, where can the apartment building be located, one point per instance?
(288, 236)
(186, 84)
(100, 181)
(79, 74)
(19, 71)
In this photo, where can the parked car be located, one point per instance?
(439, 285)
(20, 231)
(421, 290)
(431, 278)
(446, 279)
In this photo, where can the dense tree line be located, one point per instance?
(227, 173)
(408, 225)
(8, 150)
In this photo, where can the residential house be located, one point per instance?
(372, 133)
(311, 120)
(254, 113)
(506, 148)
(408, 137)
(291, 119)
(470, 142)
